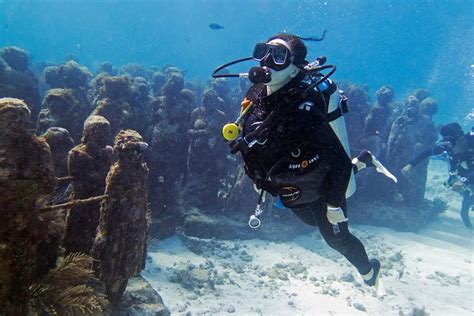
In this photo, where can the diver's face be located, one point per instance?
(446, 143)
(280, 73)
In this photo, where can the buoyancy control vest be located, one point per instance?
(276, 111)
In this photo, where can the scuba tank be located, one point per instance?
(339, 127)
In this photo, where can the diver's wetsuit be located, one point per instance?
(461, 165)
(437, 149)
(297, 148)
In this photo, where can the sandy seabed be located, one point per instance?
(430, 271)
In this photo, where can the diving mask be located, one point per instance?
(279, 53)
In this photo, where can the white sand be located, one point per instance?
(433, 270)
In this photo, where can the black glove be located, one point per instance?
(238, 145)
(260, 133)
(233, 146)
(243, 144)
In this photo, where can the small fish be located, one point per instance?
(215, 26)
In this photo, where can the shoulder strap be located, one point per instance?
(342, 109)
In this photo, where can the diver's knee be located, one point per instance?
(337, 240)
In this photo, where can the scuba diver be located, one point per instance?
(289, 147)
(458, 148)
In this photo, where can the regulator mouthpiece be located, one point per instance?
(260, 75)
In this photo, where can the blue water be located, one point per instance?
(406, 44)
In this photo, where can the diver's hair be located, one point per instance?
(313, 38)
(297, 47)
(451, 129)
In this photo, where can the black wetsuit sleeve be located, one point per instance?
(437, 149)
(422, 156)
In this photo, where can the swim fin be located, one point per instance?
(366, 159)
(372, 278)
(375, 264)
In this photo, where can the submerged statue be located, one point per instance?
(89, 163)
(26, 176)
(120, 244)
(207, 153)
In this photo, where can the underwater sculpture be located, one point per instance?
(140, 116)
(122, 100)
(374, 137)
(108, 68)
(69, 76)
(134, 70)
(221, 87)
(170, 70)
(355, 119)
(377, 121)
(158, 81)
(429, 107)
(26, 175)
(30, 234)
(189, 96)
(60, 142)
(113, 102)
(206, 155)
(61, 108)
(89, 163)
(167, 157)
(15, 57)
(397, 132)
(72, 76)
(420, 94)
(17, 81)
(406, 132)
(120, 243)
(411, 133)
